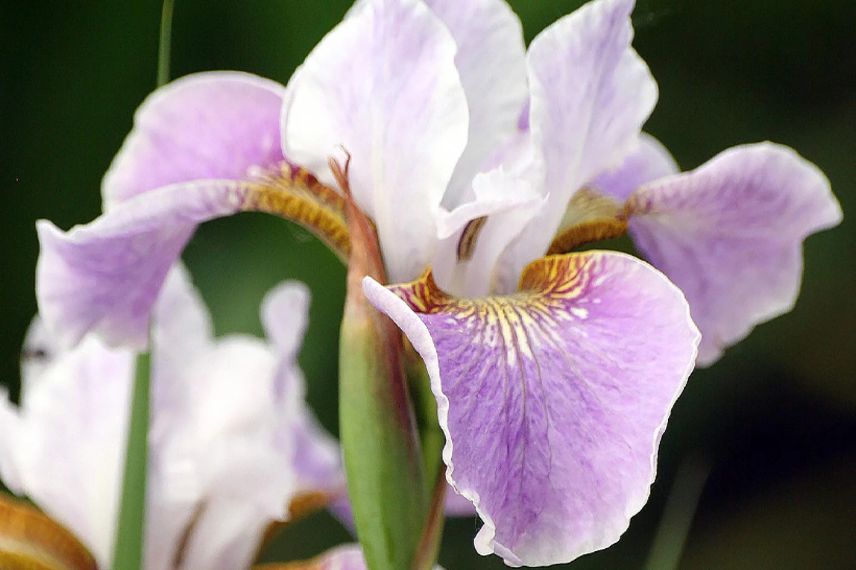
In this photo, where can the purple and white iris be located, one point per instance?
(232, 442)
(554, 376)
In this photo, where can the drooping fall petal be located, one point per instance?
(206, 126)
(31, 540)
(104, 277)
(316, 455)
(202, 147)
(553, 399)
(730, 235)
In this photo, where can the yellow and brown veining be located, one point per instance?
(587, 232)
(296, 195)
(31, 540)
(544, 282)
(590, 216)
(516, 324)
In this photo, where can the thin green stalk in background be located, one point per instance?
(165, 46)
(128, 553)
(130, 533)
(678, 515)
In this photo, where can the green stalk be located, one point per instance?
(380, 441)
(130, 532)
(678, 515)
(128, 554)
(165, 46)
(382, 459)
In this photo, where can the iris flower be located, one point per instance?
(233, 446)
(482, 165)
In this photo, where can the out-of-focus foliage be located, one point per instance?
(775, 419)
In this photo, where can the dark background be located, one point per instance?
(773, 423)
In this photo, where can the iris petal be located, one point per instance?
(383, 85)
(344, 557)
(590, 95)
(72, 420)
(29, 539)
(730, 235)
(215, 125)
(553, 399)
(105, 276)
(491, 61)
(647, 162)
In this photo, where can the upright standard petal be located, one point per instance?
(73, 421)
(491, 61)
(182, 332)
(730, 235)
(383, 85)
(215, 125)
(590, 95)
(232, 438)
(553, 400)
(316, 456)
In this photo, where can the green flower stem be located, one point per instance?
(165, 45)
(128, 553)
(380, 441)
(382, 459)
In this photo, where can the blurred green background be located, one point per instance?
(774, 423)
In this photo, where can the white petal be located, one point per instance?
(590, 95)
(73, 421)
(491, 60)
(383, 85)
(285, 316)
(508, 202)
(226, 535)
